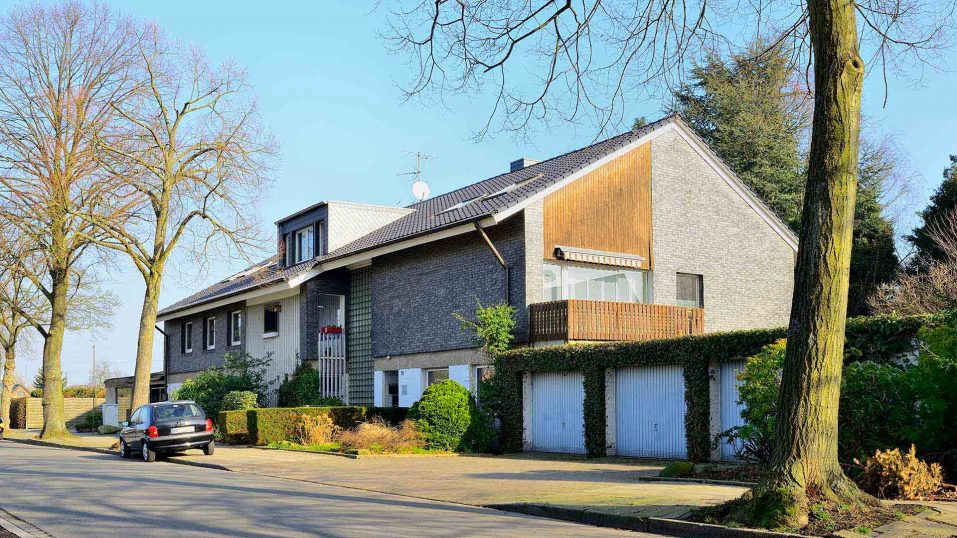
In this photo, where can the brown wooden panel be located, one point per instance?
(608, 209)
(610, 321)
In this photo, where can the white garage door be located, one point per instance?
(557, 420)
(730, 408)
(650, 414)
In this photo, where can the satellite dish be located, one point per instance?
(420, 190)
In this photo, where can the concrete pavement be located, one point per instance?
(68, 493)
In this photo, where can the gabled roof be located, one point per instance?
(497, 195)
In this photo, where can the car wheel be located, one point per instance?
(209, 448)
(149, 456)
(124, 450)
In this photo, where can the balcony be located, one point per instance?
(575, 319)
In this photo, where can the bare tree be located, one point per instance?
(931, 290)
(20, 305)
(195, 155)
(565, 60)
(63, 70)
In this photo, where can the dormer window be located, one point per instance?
(303, 241)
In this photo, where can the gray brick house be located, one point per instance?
(644, 235)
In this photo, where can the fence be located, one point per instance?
(575, 319)
(28, 412)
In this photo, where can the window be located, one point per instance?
(186, 338)
(271, 321)
(434, 376)
(234, 329)
(690, 290)
(209, 333)
(302, 245)
(568, 281)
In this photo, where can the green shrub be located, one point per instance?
(89, 421)
(444, 415)
(240, 400)
(82, 391)
(241, 373)
(233, 427)
(272, 425)
(934, 381)
(106, 429)
(678, 469)
(758, 393)
(304, 388)
(876, 410)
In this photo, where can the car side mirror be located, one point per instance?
(125, 424)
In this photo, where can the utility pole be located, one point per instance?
(94, 386)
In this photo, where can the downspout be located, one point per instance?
(501, 261)
(165, 361)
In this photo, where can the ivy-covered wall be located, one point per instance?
(878, 338)
(694, 354)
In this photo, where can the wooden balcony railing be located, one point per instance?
(576, 319)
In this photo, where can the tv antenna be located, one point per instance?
(420, 189)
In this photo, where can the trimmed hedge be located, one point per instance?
(693, 353)
(232, 425)
(272, 425)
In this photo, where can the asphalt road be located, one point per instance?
(68, 493)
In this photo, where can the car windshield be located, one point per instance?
(177, 411)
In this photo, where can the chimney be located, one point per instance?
(518, 164)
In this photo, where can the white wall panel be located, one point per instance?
(284, 347)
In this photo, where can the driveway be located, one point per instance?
(609, 485)
(70, 493)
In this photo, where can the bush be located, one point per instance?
(933, 380)
(444, 414)
(758, 393)
(90, 421)
(241, 373)
(678, 469)
(106, 429)
(232, 427)
(892, 475)
(304, 388)
(82, 391)
(876, 410)
(314, 429)
(378, 436)
(240, 400)
(273, 425)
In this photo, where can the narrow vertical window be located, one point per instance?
(187, 337)
(210, 333)
(235, 328)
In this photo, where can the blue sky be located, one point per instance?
(326, 87)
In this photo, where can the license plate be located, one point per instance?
(182, 429)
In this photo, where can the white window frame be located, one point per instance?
(235, 328)
(301, 254)
(188, 337)
(210, 333)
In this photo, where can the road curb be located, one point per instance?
(708, 481)
(655, 525)
(17, 528)
(39, 442)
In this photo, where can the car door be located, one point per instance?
(127, 433)
(141, 426)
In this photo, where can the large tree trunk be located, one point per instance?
(805, 461)
(9, 370)
(144, 343)
(54, 424)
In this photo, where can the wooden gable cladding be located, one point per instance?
(608, 209)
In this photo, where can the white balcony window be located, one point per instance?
(595, 283)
